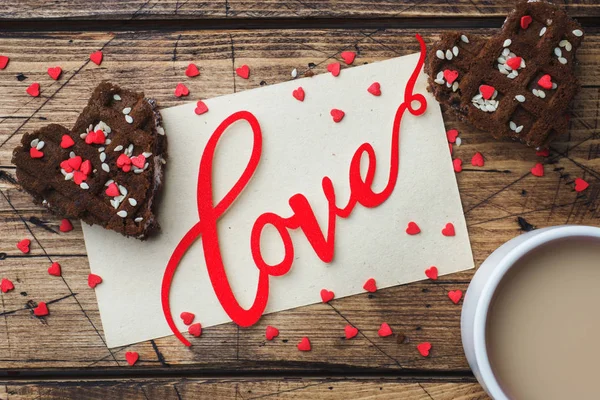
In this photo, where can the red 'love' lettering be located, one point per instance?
(303, 216)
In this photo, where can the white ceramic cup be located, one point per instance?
(483, 286)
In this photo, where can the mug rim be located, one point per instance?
(544, 236)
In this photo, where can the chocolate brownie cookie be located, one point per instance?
(516, 84)
(107, 170)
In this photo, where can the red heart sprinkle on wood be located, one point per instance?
(96, 57)
(424, 348)
(192, 70)
(66, 141)
(545, 82)
(327, 295)
(304, 344)
(477, 160)
(41, 309)
(271, 332)
(486, 91)
(452, 134)
(350, 331)
(243, 71)
(33, 89)
(543, 153)
(370, 285)
(35, 153)
(334, 68)
(187, 317)
(65, 226)
(132, 357)
(23, 245)
(181, 90)
(580, 185)
(457, 164)
(348, 56)
(432, 273)
(375, 89)
(337, 115)
(448, 230)
(139, 161)
(54, 72)
(54, 269)
(195, 329)
(6, 285)
(525, 21)
(514, 62)
(298, 94)
(455, 295)
(413, 228)
(538, 170)
(384, 330)
(201, 107)
(450, 76)
(94, 280)
(3, 62)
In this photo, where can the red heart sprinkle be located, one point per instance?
(580, 185)
(545, 82)
(131, 357)
(450, 75)
(192, 71)
(514, 62)
(370, 285)
(54, 269)
(455, 295)
(424, 348)
(94, 280)
(126, 168)
(6, 285)
(79, 177)
(123, 160)
(432, 273)
(543, 153)
(271, 332)
(452, 134)
(334, 68)
(3, 62)
(90, 137)
(304, 344)
(139, 161)
(86, 167)
(66, 142)
(337, 115)
(477, 160)
(41, 310)
(187, 317)
(23, 245)
(384, 330)
(99, 137)
(450, 147)
(65, 165)
(537, 170)
(33, 89)
(350, 331)
(195, 329)
(525, 21)
(35, 153)
(243, 71)
(348, 57)
(181, 90)
(327, 295)
(375, 89)
(413, 228)
(457, 164)
(298, 94)
(486, 91)
(96, 57)
(448, 230)
(112, 190)
(65, 226)
(75, 162)
(201, 108)
(55, 72)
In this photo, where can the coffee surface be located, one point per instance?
(543, 329)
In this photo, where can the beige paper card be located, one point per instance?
(301, 145)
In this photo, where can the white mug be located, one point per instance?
(483, 286)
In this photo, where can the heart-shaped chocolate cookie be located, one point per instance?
(516, 84)
(107, 170)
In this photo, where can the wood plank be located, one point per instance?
(493, 197)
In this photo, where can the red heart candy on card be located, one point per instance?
(187, 317)
(6, 285)
(138, 161)
(33, 89)
(3, 62)
(298, 94)
(457, 165)
(41, 309)
(66, 141)
(271, 332)
(424, 348)
(334, 68)
(201, 108)
(337, 115)
(486, 91)
(23, 245)
(195, 329)
(181, 90)
(450, 76)
(432, 273)
(448, 230)
(525, 21)
(243, 71)
(55, 72)
(304, 344)
(96, 57)
(35, 153)
(94, 280)
(370, 285)
(375, 89)
(477, 160)
(580, 185)
(384, 330)
(131, 357)
(65, 226)
(348, 56)
(192, 71)
(514, 62)
(54, 269)
(545, 82)
(452, 134)
(327, 295)
(413, 228)
(538, 170)
(455, 295)
(350, 331)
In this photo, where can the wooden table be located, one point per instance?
(147, 44)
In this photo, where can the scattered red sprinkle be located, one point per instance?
(86, 167)
(451, 150)
(538, 170)
(79, 177)
(41, 309)
(138, 161)
(370, 285)
(66, 141)
(327, 295)
(424, 348)
(448, 230)
(192, 70)
(34, 89)
(452, 134)
(350, 331)
(525, 21)
(112, 190)
(23, 245)
(543, 153)
(384, 330)
(580, 185)
(486, 91)
(3, 62)
(94, 280)
(337, 115)
(477, 160)
(123, 162)
(334, 68)
(96, 57)
(348, 57)
(450, 76)
(181, 90)
(243, 71)
(457, 164)
(545, 82)
(299, 94)
(375, 89)
(432, 273)
(201, 107)
(455, 295)
(65, 226)
(304, 344)
(35, 153)
(514, 62)
(131, 357)
(187, 317)
(95, 137)
(195, 329)
(54, 269)
(54, 72)
(271, 332)
(413, 228)
(6, 285)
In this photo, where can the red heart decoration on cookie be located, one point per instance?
(448, 230)
(66, 141)
(413, 228)
(96, 57)
(54, 269)
(337, 115)
(424, 348)
(455, 295)
(131, 357)
(271, 332)
(138, 161)
(112, 190)
(41, 310)
(187, 317)
(298, 94)
(375, 89)
(452, 134)
(580, 185)
(181, 90)
(23, 245)
(514, 62)
(384, 330)
(6, 285)
(243, 71)
(450, 76)
(370, 285)
(33, 89)
(195, 329)
(486, 91)
(525, 21)
(538, 170)
(192, 71)
(348, 56)
(545, 82)
(432, 273)
(304, 344)
(327, 295)
(94, 280)
(201, 107)
(55, 72)
(334, 68)
(477, 160)
(3, 62)
(350, 331)
(35, 153)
